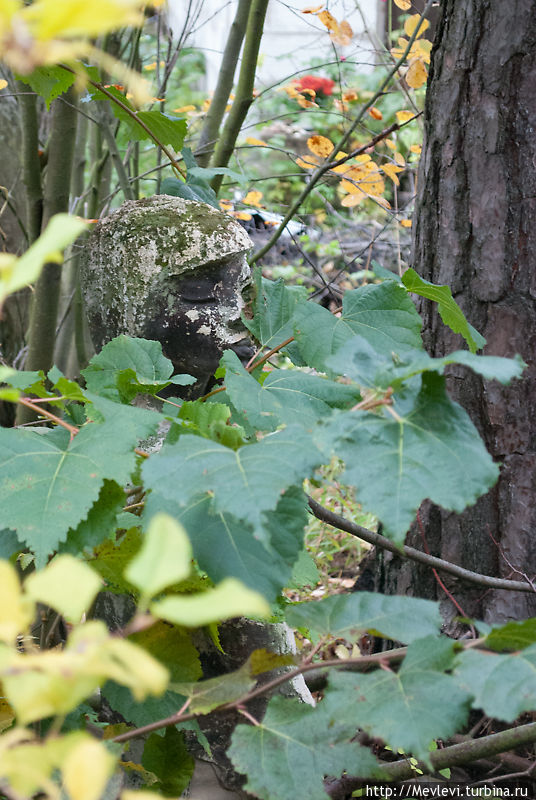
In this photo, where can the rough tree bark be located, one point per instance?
(476, 232)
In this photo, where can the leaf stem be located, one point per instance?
(25, 401)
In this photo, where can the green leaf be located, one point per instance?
(48, 483)
(402, 619)
(407, 709)
(285, 396)
(225, 546)
(274, 309)
(448, 308)
(503, 686)
(138, 714)
(209, 694)
(167, 757)
(359, 361)
(49, 82)
(244, 483)
(431, 449)
(383, 314)
(101, 522)
(164, 559)
(172, 646)
(67, 585)
(18, 272)
(513, 635)
(189, 191)
(165, 128)
(211, 420)
(127, 366)
(291, 751)
(227, 600)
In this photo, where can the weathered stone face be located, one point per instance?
(173, 270)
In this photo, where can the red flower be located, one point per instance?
(322, 86)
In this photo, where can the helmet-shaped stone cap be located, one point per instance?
(169, 269)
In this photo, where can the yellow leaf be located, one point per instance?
(423, 49)
(242, 215)
(390, 144)
(403, 116)
(406, 223)
(399, 159)
(7, 717)
(320, 145)
(416, 76)
(253, 198)
(307, 163)
(305, 103)
(328, 20)
(405, 5)
(312, 9)
(416, 148)
(184, 109)
(16, 611)
(412, 22)
(343, 35)
(77, 18)
(256, 142)
(67, 584)
(351, 200)
(364, 158)
(3, 84)
(375, 113)
(350, 95)
(152, 67)
(87, 769)
(141, 794)
(391, 170)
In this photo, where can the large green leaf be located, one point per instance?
(101, 522)
(428, 449)
(285, 396)
(503, 686)
(383, 314)
(49, 82)
(127, 366)
(167, 129)
(402, 619)
(274, 309)
(512, 635)
(167, 757)
(244, 483)
(359, 361)
(48, 482)
(291, 751)
(448, 308)
(407, 709)
(225, 546)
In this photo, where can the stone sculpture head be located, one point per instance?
(173, 270)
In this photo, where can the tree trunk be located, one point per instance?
(475, 231)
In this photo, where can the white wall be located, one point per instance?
(291, 39)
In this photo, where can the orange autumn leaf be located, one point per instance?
(343, 35)
(312, 9)
(241, 215)
(320, 145)
(375, 113)
(405, 5)
(328, 20)
(416, 148)
(406, 223)
(253, 198)
(184, 109)
(350, 95)
(256, 142)
(416, 76)
(305, 103)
